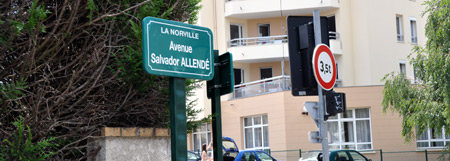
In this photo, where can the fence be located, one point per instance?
(374, 155)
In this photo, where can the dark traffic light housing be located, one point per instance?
(301, 48)
(334, 103)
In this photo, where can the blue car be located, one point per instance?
(253, 155)
(232, 153)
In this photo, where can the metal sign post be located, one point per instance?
(178, 127)
(322, 124)
(222, 83)
(216, 110)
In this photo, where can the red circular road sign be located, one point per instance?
(324, 66)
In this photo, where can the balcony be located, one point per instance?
(258, 40)
(253, 9)
(264, 86)
(270, 48)
(255, 49)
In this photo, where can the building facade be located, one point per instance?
(369, 39)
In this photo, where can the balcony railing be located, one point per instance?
(268, 40)
(264, 86)
(258, 40)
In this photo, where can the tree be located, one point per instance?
(426, 103)
(79, 64)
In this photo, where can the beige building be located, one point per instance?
(368, 39)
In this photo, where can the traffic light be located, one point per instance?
(301, 47)
(334, 103)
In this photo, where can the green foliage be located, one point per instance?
(11, 91)
(92, 8)
(21, 147)
(191, 114)
(129, 59)
(34, 23)
(129, 63)
(37, 14)
(64, 68)
(425, 104)
(16, 26)
(194, 10)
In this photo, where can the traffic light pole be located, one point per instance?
(322, 124)
(216, 111)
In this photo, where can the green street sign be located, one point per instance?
(225, 76)
(177, 49)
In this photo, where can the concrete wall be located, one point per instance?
(277, 26)
(369, 44)
(131, 144)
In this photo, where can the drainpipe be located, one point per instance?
(283, 79)
(215, 24)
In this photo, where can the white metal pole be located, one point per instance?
(322, 124)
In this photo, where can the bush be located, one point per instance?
(21, 147)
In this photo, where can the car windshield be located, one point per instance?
(192, 156)
(357, 157)
(263, 156)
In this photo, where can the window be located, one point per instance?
(432, 138)
(238, 76)
(337, 70)
(236, 33)
(201, 136)
(402, 65)
(357, 157)
(351, 130)
(264, 31)
(416, 77)
(398, 20)
(266, 73)
(342, 156)
(263, 156)
(256, 132)
(248, 156)
(413, 24)
(338, 81)
(332, 27)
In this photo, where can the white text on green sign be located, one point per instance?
(177, 49)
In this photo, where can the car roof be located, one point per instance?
(342, 150)
(319, 150)
(251, 151)
(227, 138)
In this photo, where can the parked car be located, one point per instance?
(230, 149)
(232, 153)
(310, 156)
(335, 155)
(192, 156)
(253, 155)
